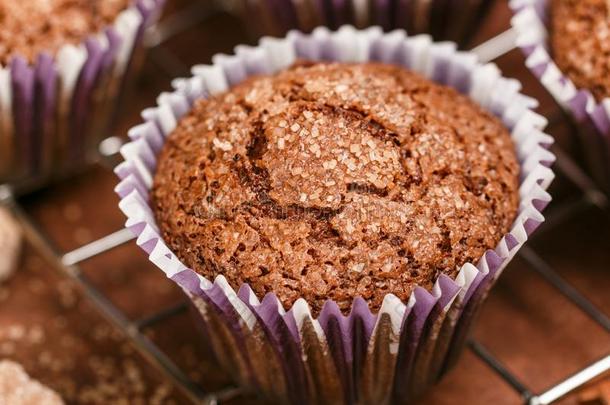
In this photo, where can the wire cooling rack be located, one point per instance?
(68, 262)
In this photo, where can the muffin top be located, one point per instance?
(28, 27)
(580, 42)
(335, 181)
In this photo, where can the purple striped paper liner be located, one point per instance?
(54, 103)
(7, 140)
(46, 89)
(22, 84)
(593, 118)
(392, 355)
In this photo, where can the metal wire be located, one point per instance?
(496, 365)
(495, 47)
(568, 385)
(585, 305)
(580, 179)
(94, 248)
(173, 67)
(161, 315)
(104, 305)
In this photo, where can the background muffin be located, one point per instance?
(63, 64)
(566, 44)
(444, 20)
(28, 28)
(580, 41)
(332, 181)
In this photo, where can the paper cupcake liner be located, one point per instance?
(444, 19)
(363, 357)
(593, 118)
(54, 110)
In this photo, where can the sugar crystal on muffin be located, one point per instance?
(334, 181)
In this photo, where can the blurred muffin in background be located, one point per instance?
(580, 42)
(63, 63)
(444, 20)
(567, 47)
(28, 28)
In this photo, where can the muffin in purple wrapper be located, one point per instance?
(337, 206)
(565, 43)
(445, 20)
(62, 66)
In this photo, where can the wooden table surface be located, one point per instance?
(56, 333)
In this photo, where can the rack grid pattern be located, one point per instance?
(557, 214)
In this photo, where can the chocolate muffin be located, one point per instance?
(333, 181)
(28, 27)
(580, 42)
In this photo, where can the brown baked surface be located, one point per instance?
(580, 42)
(335, 181)
(28, 27)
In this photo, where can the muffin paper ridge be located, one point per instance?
(49, 108)
(530, 24)
(361, 356)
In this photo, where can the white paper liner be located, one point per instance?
(288, 354)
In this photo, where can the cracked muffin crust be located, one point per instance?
(580, 42)
(332, 181)
(28, 27)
